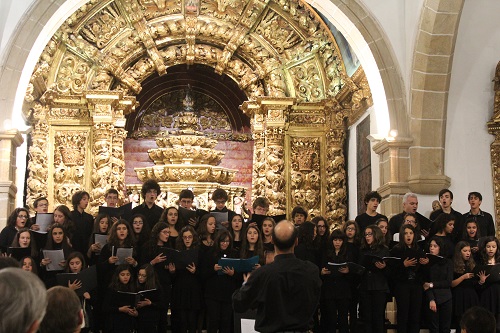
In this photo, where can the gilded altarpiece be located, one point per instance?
(494, 128)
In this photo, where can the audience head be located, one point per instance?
(64, 311)
(111, 197)
(299, 215)
(80, 200)
(285, 236)
(410, 202)
(8, 262)
(478, 320)
(24, 301)
(18, 218)
(41, 205)
(260, 206)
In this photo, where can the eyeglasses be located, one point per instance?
(165, 232)
(368, 234)
(24, 217)
(350, 229)
(142, 275)
(137, 222)
(187, 237)
(410, 221)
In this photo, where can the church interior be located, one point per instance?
(311, 103)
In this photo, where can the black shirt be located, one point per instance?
(365, 220)
(152, 214)
(484, 222)
(286, 294)
(84, 222)
(395, 223)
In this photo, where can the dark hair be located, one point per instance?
(242, 231)
(387, 236)
(150, 184)
(151, 245)
(439, 242)
(11, 221)
(285, 244)
(186, 194)
(459, 265)
(299, 210)
(337, 234)
(259, 247)
(260, 202)
(402, 245)
(111, 191)
(223, 234)
(151, 278)
(63, 311)
(34, 266)
(306, 234)
(372, 195)
(116, 285)
(179, 243)
(74, 255)
(357, 235)
(8, 262)
(50, 245)
(478, 320)
(15, 241)
(68, 224)
(475, 194)
(465, 234)
(378, 238)
(37, 201)
(164, 217)
(143, 236)
(441, 221)
(482, 249)
(77, 197)
(96, 228)
(220, 194)
(202, 226)
(443, 191)
(113, 238)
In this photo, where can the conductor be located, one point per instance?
(285, 292)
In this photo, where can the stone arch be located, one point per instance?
(430, 83)
(227, 50)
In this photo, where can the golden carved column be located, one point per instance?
(9, 141)
(275, 169)
(494, 129)
(108, 167)
(38, 165)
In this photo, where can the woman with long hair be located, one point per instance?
(151, 304)
(56, 240)
(252, 245)
(24, 239)
(463, 285)
(121, 315)
(186, 286)
(374, 286)
(152, 253)
(102, 225)
(444, 226)
(336, 287)
(220, 283)
(17, 220)
(306, 248)
(322, 233)
(437, 286)
(62, 215)
(171, 216)
(489, 250)
(237, 231)
(407, 279)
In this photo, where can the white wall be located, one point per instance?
(11, 12)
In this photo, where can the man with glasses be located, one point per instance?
(410, 205)
(41, 206)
